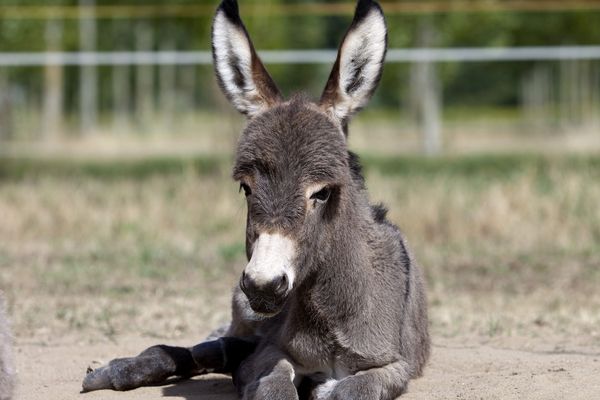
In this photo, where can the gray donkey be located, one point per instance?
(331, 304)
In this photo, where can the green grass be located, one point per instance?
(473, 166)
(12, 168)
(481, 165)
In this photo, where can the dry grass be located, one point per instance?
(156, 256)
(381, 132)
(506, 253)
(515, 255)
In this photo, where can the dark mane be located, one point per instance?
(356, 169)
(379, 212)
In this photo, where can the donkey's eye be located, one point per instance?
(246, 189)
(322, 195)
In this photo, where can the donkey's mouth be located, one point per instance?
(265, 306)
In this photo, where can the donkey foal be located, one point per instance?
(331, 304)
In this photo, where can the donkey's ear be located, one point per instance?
(240, 73)
(359, 63)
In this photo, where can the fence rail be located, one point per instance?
(142, 87)
(548, 53)
(336, 8)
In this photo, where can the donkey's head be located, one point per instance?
(292, 162)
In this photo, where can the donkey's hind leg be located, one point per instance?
(156, 364)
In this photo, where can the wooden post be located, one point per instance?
(121, 87)
(187, 84)
(144, 85)
(88, 89)
(121, 81)
(167, 77)
(6, 121)
(426, 94)
(595, 94)
(53, 83)
(536, 98)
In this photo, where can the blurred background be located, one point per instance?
(118, 215)
(498, 75)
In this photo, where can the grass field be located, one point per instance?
(152, 247)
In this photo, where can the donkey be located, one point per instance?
(331, 304)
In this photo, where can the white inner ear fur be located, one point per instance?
(272, 257)
(366, 42)
(231, 46)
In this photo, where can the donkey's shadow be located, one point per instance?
(212, 387)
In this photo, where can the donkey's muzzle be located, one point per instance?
(267, 297)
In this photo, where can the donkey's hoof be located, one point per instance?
(97, 379)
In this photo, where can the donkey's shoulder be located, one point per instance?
(391, 241)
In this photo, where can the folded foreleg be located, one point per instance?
(384, 383)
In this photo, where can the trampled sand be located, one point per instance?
(507, 369)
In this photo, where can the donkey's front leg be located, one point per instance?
(158, 363)
(384, 383)
(152, 366)
(266, 375)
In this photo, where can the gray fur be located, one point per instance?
(7, 366)
(359, 302)
(348, 317)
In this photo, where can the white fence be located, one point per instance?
(427, 99)
(547, 53)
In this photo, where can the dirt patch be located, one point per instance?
(514, 372)
(511, 369)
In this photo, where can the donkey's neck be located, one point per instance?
(339, 288)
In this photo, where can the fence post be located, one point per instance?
(53, 82)
(536, 98)
(426, 93)
(121, 99)
(430, 114)
(168, 80)
(6, 121)
(595, 94)
(187, 87)
(88, 86)
(144, 85)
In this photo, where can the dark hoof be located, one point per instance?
(97, 379)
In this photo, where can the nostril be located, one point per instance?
(281, 285)
(244, 282)
(274, 289)
(284, 281)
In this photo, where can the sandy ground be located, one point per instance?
(505, 369)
